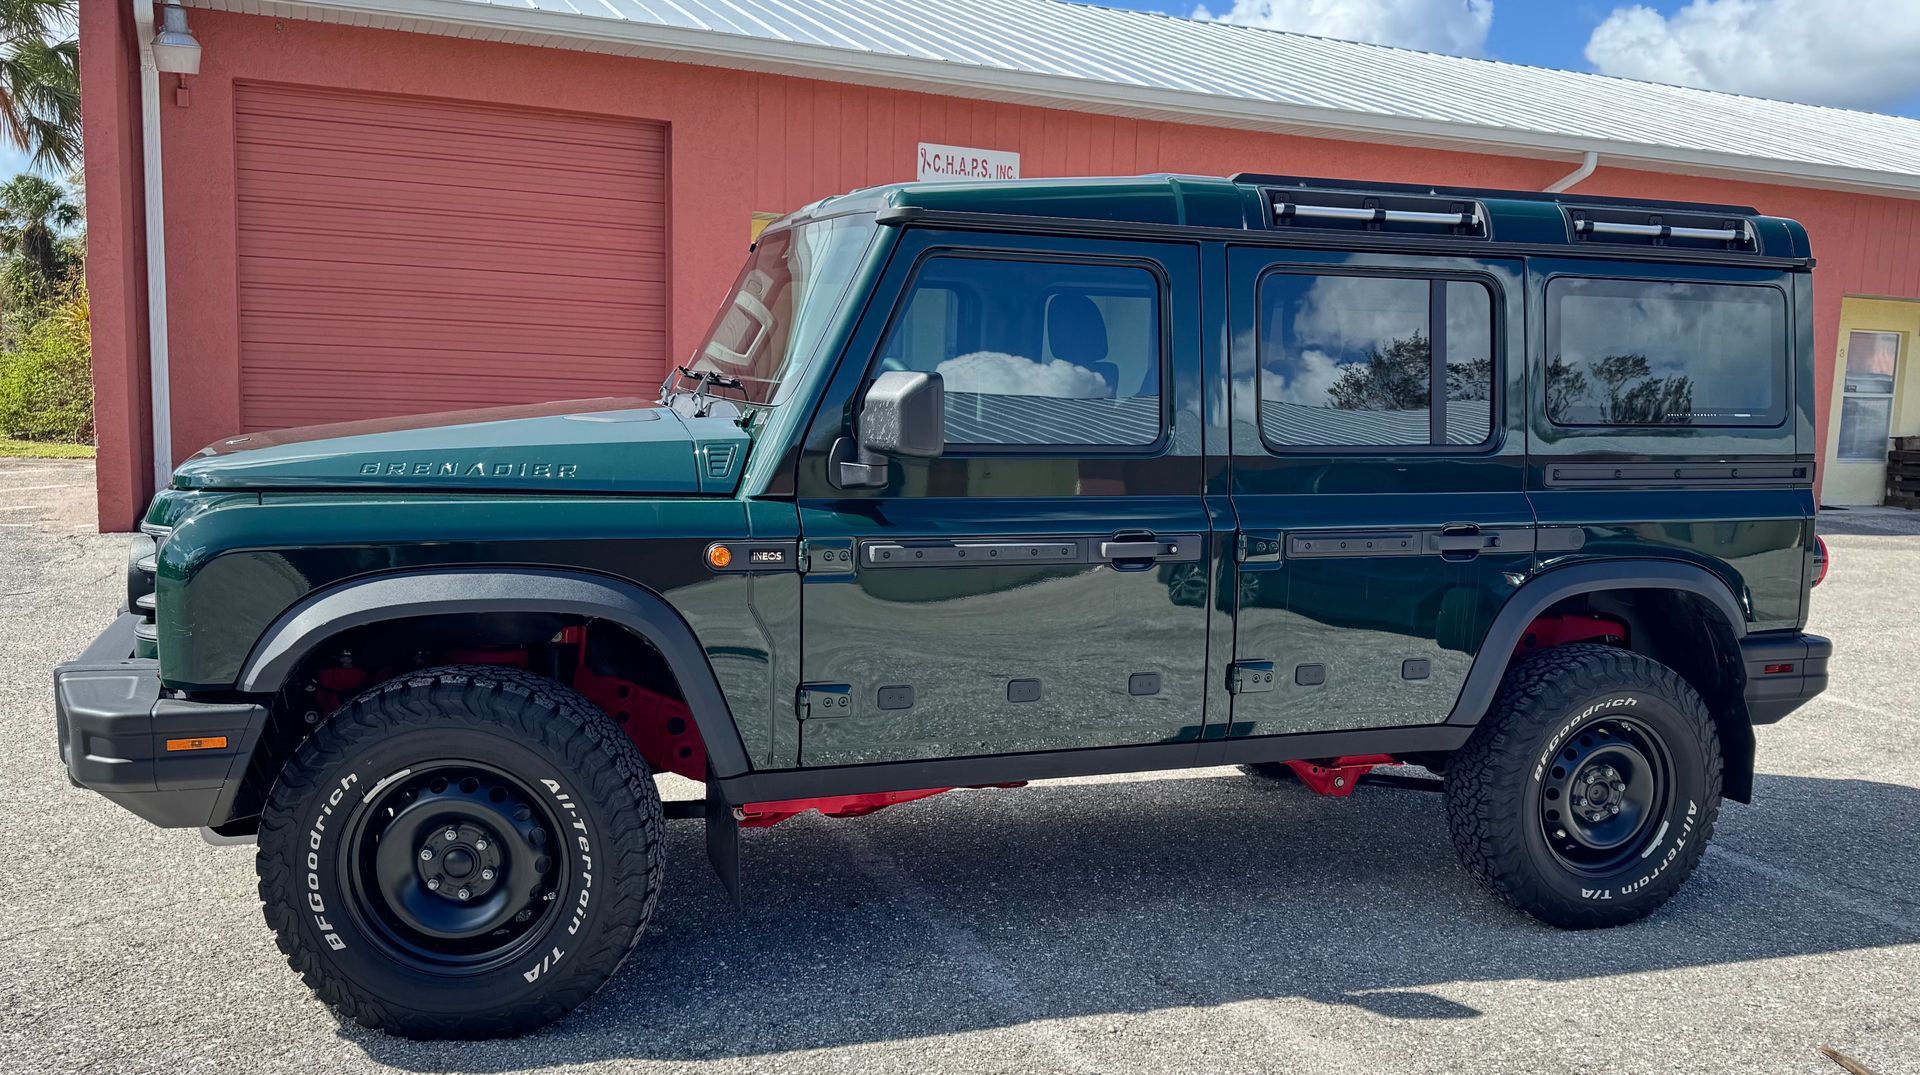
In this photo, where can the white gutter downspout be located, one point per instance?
(157, 365)
(1587, 164)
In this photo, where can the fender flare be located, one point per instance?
(1548, 588)
(452, 591)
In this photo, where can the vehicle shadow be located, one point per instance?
(985, 909)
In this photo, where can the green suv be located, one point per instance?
(973, 484)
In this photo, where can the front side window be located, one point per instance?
(1036, 353)
(1375, 362)
(1649, 353)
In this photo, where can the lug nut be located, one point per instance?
(486, 875)
(433, 883)
(1613, 809)
(453, 834)
(479, 845)
(426, 854)
(1618, 786)
(463, 893)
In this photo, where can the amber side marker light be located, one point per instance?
(210, 742)
(719, 556)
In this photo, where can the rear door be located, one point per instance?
(1041, 585)
(1378, 474)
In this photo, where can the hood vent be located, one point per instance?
(720, 460)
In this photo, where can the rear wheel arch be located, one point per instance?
(1680, 614)
(304, 631)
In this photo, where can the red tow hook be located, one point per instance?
(1339, 775)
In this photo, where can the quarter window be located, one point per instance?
(1649, 353)
(1036, 353)
(1375, 362)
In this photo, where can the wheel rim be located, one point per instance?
(450, 866)
(1602, 798)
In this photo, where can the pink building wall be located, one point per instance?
(737, 143)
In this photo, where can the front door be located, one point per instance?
(1378, 475)
(1042, 584)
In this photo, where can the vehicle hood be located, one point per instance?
(591, 445)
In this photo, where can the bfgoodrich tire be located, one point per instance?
(463, 852)
(1587, 795)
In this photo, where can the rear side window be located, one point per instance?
(1649, 353)
(1375, 362)
(1036, 353)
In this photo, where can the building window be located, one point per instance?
(1036, 353)
(1354, 362)
(1866, 399)
(1650, 353)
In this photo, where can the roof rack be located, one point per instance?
(1307, 182)
(1376, 212)
(1612, 224)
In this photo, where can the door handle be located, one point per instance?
(1460, 541)
(1142, 551)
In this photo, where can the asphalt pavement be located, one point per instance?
(1202, 921)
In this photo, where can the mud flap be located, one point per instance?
(723, 841)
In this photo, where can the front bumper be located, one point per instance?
(1784, 672)
(120, 735)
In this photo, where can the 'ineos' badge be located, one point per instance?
(767, 556)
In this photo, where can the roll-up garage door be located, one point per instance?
(399, 255)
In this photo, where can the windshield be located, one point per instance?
(786, 296)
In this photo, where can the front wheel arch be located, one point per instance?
(325, 614)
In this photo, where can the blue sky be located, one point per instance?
(1861, 54)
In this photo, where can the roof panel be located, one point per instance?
(1137, 63)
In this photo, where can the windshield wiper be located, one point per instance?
(704, 382)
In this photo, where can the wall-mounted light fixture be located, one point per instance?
(175, 51)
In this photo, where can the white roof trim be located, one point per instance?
(840, 42)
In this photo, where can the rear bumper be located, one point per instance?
(116, 724)
(1784, 671)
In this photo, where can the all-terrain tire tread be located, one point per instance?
(1485, 778)
(601, 759)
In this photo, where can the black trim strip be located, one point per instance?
(1371, 242)
(891, 553)
(1692, 476)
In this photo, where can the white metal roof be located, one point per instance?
(1130, 63)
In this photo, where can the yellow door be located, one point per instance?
(1876, 396)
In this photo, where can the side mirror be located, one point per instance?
(905, 414)
(902, 413)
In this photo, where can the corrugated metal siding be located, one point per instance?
(1143, 62)
(399, 255)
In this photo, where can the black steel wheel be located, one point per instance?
(463, 852)
(1602, 798)
(1588, 793)
(451, 867)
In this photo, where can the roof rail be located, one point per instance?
(1612, 224)
(1307, 182)
(1418, 214)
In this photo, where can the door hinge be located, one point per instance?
(1249, 677)
(819, 700)
(1257, 547)
(826, 556)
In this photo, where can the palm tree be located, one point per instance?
(40, 80)
(33, 214)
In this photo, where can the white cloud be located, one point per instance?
(1456, 27)
(996, 373)
(1848, 53)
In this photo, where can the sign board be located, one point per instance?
(959, 162)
